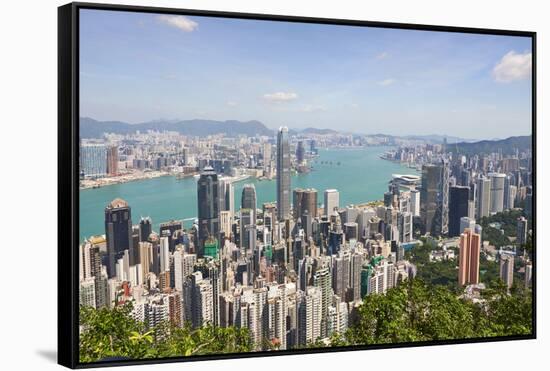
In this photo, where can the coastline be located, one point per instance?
(361, 178)
(121, 179)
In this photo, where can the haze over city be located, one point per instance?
(141, 67)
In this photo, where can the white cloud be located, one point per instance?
(178, 21)
(313, 108)
(231, 103)
(513, 67)
(382, 55)
(386, 82)
(280, 97)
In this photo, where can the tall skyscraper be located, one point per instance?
(309, 309)
(145, 229)
(497, 192)
(208, 207)
(248, 200)
(246, 220)
(118, 231)
(442, 213)
(521, 231)
(267, 153)
(512, 194)
(175, 309)
(507, 203)
(341, 274)
(304, 200)
(90, 269)
(332, 201)
(468, 266)
(198, 300)
(507, 269)
(227, 196)
(415, 202)
(112, 161)
(171, 229)
(283, 174)
(322, 279)
(226, 222)
(458, 208)
(145, 255)
(431, 178)
(300, 152)
(483, 197)
(164, 255)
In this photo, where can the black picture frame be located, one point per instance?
(68, 175)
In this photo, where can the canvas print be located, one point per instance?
(269, 186)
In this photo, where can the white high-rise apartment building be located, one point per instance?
(497, 192)
(157, 311)
(87, 292)
(164, 254)
(201, 300)
(415, 202)
(332, 200)
(382, 278)
(337, 320)
(226, 220)
(309, 315)
(483, 197)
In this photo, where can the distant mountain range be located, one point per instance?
(436, 138)
(318, 131)
(90, 128)
(506, 146)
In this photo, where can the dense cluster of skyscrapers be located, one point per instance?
(294, 271)
(458, 190)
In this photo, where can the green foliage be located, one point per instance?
(507, 314)
(114, 333)
(508, 223)
(489, 270)
(418, 312)
(435, 273)
(529, 245)
(413, 311)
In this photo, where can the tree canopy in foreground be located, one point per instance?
(413, 311)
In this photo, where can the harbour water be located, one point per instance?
(358, 174)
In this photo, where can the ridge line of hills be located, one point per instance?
(90, 128)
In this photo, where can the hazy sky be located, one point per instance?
(140, 67)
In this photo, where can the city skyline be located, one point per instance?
(216, 239)
(294, 272)
(345, 77)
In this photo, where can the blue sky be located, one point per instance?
(137, 67)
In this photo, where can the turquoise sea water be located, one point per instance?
(360, 176)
